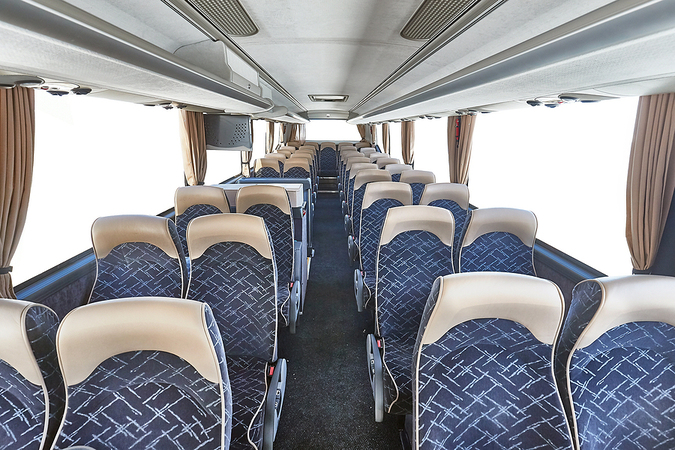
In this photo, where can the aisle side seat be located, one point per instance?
(362, 179)
(269, 167)
(397, 169)
(383, 162)
(417, 179)
(455, 198)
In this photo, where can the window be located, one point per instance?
(568, 165)
(331, 130)
(94, 157)
(431, 147)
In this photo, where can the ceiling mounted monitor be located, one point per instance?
(328, 98)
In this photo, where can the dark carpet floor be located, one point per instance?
(329, 404)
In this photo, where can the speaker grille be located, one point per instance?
(229, 16)
(434, 15)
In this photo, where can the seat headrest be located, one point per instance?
(519, 222)
(309, 148)
(387, 189)
(201, 195)
(437, 221)
(347, 148)
(279, 156)
(256, 194)
(297, 162)
(93, 333)
(205, 231)
(418, 176)
(109, 232)
(382, 162)
(325, 144)
(300, 155)
(367, 151)
(270, 162)
(376, 155)
(631, 298)
(533, 302)
(346, 154)
(458, 193)
(365, 176)
(398, 168)
(357, 167)
(357, 160)
(286, 153)
(289, 148)
(16, 349)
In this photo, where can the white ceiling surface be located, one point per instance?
(329, 46)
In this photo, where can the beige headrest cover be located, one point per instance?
(418, 176)
(367, 151)
(300, 155)
(369, 175)
(205, 231)
(201, 195)
(435, 220)
(459, 193)
(357, 167)
(289, 148)
(343, 145)
(519, 222)
(270, 162)
(109, 232)
(346, 154)
(332, 144)
(376, 155)
(398, 168)
(286, 153)
(387, 189)
(312, 144)
(263, 193)
(16, 349)
(96, 332)
(347, 148)
(297, 162)
(533, 302)
(631, 298)
(351, 160)
(382, 162)
(307, 148)
(279, 156)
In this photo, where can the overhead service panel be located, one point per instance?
(230, 133)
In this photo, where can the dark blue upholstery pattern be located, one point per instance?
(139, 269)
(247, 376)
(239, 285)
(488, 383)
(296, 172)
(328, 162)
(497, 251)
(22, 411)
(623, 388)
(357, 202)
(267, 172)
(372, 220)
(406, 269)
(192, 212)
(460, 214)
(350, 193)
(417, 191)
(396, 177)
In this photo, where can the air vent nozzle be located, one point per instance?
(229, 16)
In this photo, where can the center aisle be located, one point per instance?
(329, 404)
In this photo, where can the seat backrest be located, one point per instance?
(144, 373)
(415, 248)
(137, 256)
(453, 197)
(383, 162)
(614, 361)
(350, 175)
(487, 339)
(309, 148)
(233, 270)
(346, 154)
(397, 169)
(328, 161)
(272, 204)
(297, 168)
(269, 168)
(376, 155)
(378, 198)
(287, 153)
(417, 179)
(361, 181)
(367, 150)
(196, 201)
(291, 145)
(362, 145)
(345, 157)
(328, 145)
(314, 145)
(499, 240)
(32, 395)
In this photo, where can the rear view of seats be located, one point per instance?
(144, 373)
(417, 179)
(269, 168)
(482, 365)
(455, 198)
(233, 270)
(396, 170)
(137, 256)
(362, 179)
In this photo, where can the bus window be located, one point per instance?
(332, 130)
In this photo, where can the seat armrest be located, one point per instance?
(376, 373)
(274, 402)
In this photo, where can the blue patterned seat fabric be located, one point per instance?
(296, 172)
(357, 202)
(268, 172)
(407, 268)
(497, 251)
(190, 213)
(460, 214)
(372, 220)
(23, 404)
(417, 190)
(396, 177)
(281, 230)
(239, 285)
(487, 383)
(327, 162)
(139, 269)
(148, 400)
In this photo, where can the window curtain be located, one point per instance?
(246, 156)
(408, 142)
(193, 140)
(17, 136)
(362, 131)
(460, 141)
(302, 133)
(386, 148)
(373, 135)
(651, 177)
(269, 137)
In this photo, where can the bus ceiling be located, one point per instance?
(364, 61)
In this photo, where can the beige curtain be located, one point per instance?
(246, 156)
(17, 135)
(362, 131)
(269, 137)
(385, 138)
(460, 141)
(408, 141)
(651, 177)
(193, 139)
(302, 133)
(373, 134)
